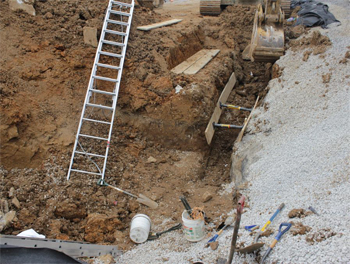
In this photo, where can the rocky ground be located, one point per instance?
(158, 146)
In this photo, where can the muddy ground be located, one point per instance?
(158, 146)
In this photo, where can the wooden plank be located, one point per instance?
(209, 131)
(187, 63)
(160, 24)
(240, 135)
(198, 65)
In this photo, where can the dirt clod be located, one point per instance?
(299, 229)
(320, 235)
(296, 213)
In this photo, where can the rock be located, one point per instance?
(7, 220)
(69, 210)
(90, 36)
(207, 196)
(106, 259)
(151, 160)
(48, 15)
(16, 203)
(26, 6)
(12, 132)
(4, 206)
(12, 192)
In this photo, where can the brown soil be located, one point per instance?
(45, 68)
(320, 235)
(317, 42)
(299, 229)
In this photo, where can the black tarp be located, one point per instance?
(313, 14)
(16, 255)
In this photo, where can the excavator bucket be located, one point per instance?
(267, 42)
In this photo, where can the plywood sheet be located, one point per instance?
(160, 24)
(199, 64)
(209, 131)
(190, 61)
(196, 62)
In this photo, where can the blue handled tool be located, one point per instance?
(251, 228)
(277, 238)
(268, 222)
(255, 246)
(228, 222)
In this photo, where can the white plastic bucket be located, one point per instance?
(140, 227)
(193, 230)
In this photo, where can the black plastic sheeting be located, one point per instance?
(313, 14)
(16, 255)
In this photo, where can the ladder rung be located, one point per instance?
(88, 136)
(121, 3)
(117, 22)
(101, 106)
(115, 32)
(119, 13)
(90, 154)
(87, 172)
(110, 54)
(101, 92)
(108, 66)
(97, 121)
(113, 43)
(104, 78)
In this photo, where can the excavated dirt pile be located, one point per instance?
(158, 146)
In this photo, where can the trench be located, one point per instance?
(158, 146)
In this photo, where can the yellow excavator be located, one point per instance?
(267, 42)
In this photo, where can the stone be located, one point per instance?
(12, 132)
(207, 196)
(7, 220)
(151, 160)
(16, 203)
(90, 36)
(26, 6)
(12, 192)
(106, 259)
(4, 206)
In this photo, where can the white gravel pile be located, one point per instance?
(298, 153)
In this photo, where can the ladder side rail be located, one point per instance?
(88, 93)
(118, 85)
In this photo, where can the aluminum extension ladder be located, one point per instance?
(94, 133)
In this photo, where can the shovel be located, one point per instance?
(255, 246)
(141, 198)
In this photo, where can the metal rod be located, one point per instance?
(226, 126)
(235, 107)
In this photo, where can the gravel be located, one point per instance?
(298, 153)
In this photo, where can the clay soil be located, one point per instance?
(158, 144)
